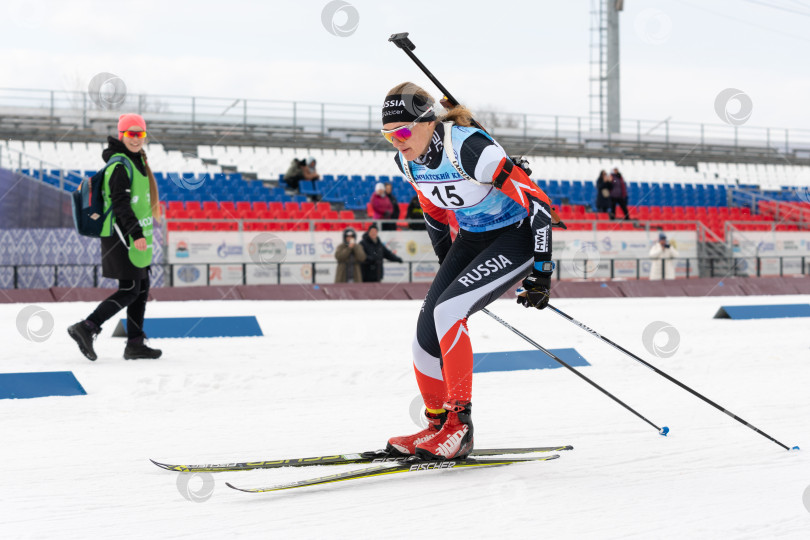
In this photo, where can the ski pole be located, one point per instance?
(661, 431)
(666, 376)
(402, 41)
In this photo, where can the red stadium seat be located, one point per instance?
(193, 206)
(258, 206)
(323, 206)
(173, 208)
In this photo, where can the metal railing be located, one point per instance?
(796, 215)
(82, 109)
(17, 161)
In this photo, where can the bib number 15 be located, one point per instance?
(449, 194)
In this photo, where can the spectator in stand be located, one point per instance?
(389, 192)
(350, 256)
(618, 194)
(301, 169)
(663, 257)
(375, 253)
(380, 203)
(416, 215)
(603, 185)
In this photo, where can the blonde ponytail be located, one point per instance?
(459, 115)
(154, 196)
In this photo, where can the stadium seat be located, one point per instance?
(174, 207)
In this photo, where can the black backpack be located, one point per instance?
(88, 202)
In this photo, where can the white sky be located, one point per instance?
(532, 57)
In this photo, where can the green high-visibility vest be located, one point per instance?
(140, 200)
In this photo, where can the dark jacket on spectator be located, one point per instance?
(619, 189)
(115, 263)
(394, 213)
(415, 212)
(375, 253)
(602, 202)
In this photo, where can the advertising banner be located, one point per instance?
(581, 254)
(792, 246)
(189, 275)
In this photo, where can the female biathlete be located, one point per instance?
(504, 236)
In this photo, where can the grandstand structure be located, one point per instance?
(217, 176)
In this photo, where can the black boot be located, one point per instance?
(83, 333)
(136, 349)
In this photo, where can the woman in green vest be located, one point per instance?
(126, 239)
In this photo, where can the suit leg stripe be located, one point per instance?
(428, 365)
(461, 330)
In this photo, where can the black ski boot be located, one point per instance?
(136, 349)
(83, 333)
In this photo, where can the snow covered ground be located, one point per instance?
(333, 377)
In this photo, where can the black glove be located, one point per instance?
(399, 259)
(536, 290)
(559, 224)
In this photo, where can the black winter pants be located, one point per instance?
(131, 294)
(622, 203)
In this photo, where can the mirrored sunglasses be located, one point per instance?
(403, 133)
(135, 134)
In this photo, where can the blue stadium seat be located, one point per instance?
(308, 187)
